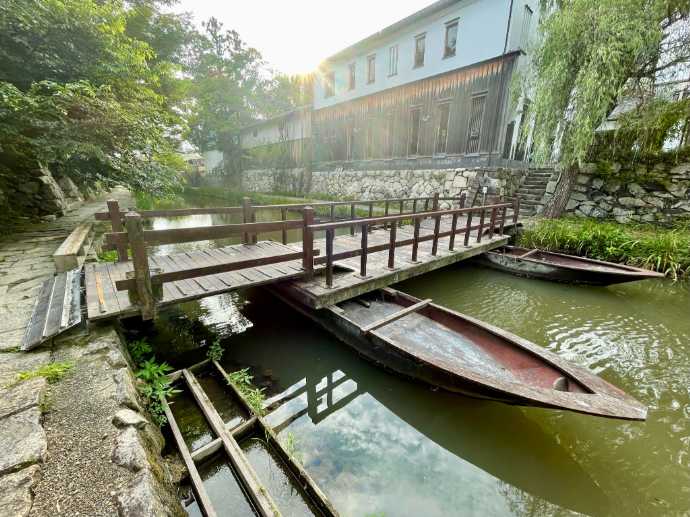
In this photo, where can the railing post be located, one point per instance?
(353, 214)
(463, 198)
(332, 213)
(402, 210)
(116, 224)
(492, 223)
(140, 261)
(363, 257)
(371, 214)
(283, 217)
(481, 225)
(504, 210)
(386, 209)
(391, 244)
(468, 228)
(308, 242)
(330, 233)
(437, 226)
(415, 239)
(453, 229)
(246, 218)
(516, 209)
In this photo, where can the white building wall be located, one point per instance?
(481, 36)
(296, 126)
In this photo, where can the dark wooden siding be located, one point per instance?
(379, 124)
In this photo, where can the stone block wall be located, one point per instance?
(641, 195)
(377, 184)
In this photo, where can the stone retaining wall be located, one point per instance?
(641, 195)
(377, 184)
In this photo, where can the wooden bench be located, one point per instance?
(72, 252)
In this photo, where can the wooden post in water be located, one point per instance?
(365, 245)
(116, 223)
(140, 261)
(330, 235)
(391, 249)
(308, 242)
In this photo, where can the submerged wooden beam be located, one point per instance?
(262, 500)
(395, 316)
(197, 483)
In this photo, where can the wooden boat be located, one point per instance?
(446, 349)
(559, 267)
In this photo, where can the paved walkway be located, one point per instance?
(76, 447)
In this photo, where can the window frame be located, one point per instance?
(352, 76)
(413, 109)
(393, 65)
(419, 37)
(451, 23)
(329, 85)
(371, 70)
(483, 95)
(440, 106)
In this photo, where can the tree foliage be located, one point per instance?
(81, 93)
(591, 54)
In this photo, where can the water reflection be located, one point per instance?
(377, 443)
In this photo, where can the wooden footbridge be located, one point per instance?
(344, 248)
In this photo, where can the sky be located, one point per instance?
(294, 36)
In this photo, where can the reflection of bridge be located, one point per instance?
(413, 236)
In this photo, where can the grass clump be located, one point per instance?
(254, 397)
(154, 382)
(215, 351)
(661, 249)
(52, 372)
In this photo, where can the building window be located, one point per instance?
(415, 121)
(371, 69)
(352, 77)
(329, 85)
(393, 60)
(526, 24)
(442, 133)
(419, 48)
(451, 39)
(474, 124)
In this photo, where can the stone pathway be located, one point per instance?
(80, 446)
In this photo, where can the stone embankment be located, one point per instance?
(379, 184)
(81, 445)
(659, 195)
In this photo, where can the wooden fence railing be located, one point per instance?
(144, 284)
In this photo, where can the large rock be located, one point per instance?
(145, 496)
(22, 440)
(622, 215)
(129, 451)
(128, 418)
(16, 491)
(631, 202)
(21, 396)
(70, 189)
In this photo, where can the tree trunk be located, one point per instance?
(556, 205)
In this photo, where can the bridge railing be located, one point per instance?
(498, 215)
(145, 285)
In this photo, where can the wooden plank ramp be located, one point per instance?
(57, 308)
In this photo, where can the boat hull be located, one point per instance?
(380, 350)
(589, 272)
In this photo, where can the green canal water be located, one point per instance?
(379, 445)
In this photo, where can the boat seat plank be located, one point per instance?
(395, 316)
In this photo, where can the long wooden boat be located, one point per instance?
(443, 348)
(547, 265)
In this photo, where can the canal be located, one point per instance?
(379, 445)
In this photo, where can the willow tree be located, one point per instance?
(590, 53)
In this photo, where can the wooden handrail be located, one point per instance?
(401, 217)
